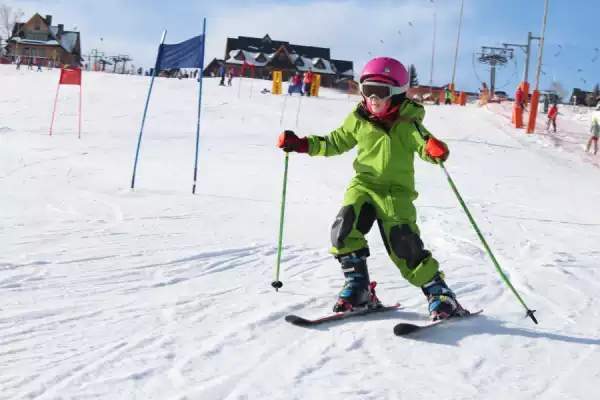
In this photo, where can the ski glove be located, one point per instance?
(436, 150)
(288, 141)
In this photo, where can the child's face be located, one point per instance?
(378, 105)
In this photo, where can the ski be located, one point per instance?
(405, 328)
(299, 321)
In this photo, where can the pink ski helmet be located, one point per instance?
(389, 69)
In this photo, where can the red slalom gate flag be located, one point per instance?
(68, 76)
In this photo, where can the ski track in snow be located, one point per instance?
(159, 294)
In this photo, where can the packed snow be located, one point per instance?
(155, 293)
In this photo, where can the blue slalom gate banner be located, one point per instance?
(188, 54)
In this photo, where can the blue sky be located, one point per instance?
(354, 30)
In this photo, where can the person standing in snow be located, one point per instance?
(552, 114)
(519, 98)
(230, 76)
(448, 97)
(484, 94)
(388, 129)
(222, 72)
(308, 79)
(595, 131)
(295, 84)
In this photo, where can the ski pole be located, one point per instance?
(277, 284)
(476, 228)
(283, 110)
(487, 248)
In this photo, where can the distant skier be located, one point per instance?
(519, 100)
(309, 76)
(296, 84)
(552, 114)
(230, 76)
(484, 94)
(388, 129)
(595, 131)
(222, 72)
(448, 97)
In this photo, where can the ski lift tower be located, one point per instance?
(494, 56)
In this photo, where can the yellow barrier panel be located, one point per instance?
(316, 83)
(276, 82)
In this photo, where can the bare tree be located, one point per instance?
(559, 90)
(8, 19)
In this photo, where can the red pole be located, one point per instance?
(54, 110)
(80, 114)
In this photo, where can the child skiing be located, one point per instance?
(387, 128)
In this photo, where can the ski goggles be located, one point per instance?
(380, 90)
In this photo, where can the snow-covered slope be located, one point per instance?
(571, 136)
(159, 294)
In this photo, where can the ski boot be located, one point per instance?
(358, 292)
(442, 300)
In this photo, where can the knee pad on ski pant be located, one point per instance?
(353, 222)
(406, 249)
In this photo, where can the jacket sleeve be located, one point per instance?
(420, 143)
(337, 142)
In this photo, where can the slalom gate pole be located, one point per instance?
(54, 109)
(277, 284)
(139, 143)
(200, 73)
(483, 241)
(80, 114)
(283, 110)
(298, 111)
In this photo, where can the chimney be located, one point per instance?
(61, 28)
(49, 20)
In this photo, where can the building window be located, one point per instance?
(282, 56)
(43, 53)
(37, 25)
(36, 36)
(320, 64)
(299, 62)
(240, 56)
(33, 52)
(26, 51)
(261, 58)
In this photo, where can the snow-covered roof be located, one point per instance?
(311, 63)
(36, 42)
(68, 40)
(250, 58)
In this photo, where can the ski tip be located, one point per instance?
(402, 329)
(296, 320)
